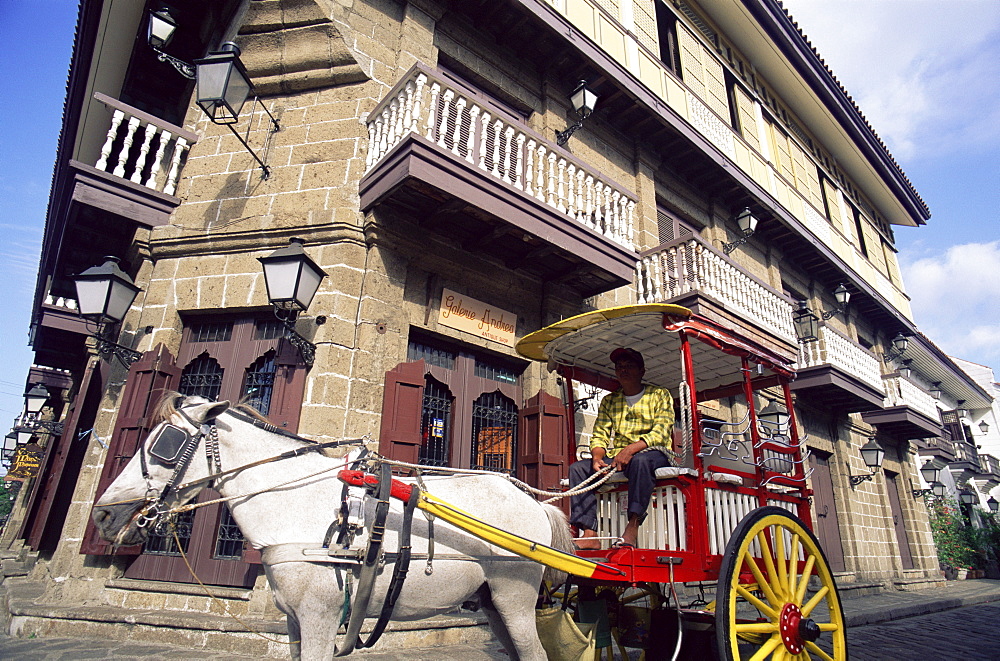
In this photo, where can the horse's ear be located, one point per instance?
(208, 411)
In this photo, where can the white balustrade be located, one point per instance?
(833, 348)
(142, 147)
(692, 266)
(502, 148)
(900, 392)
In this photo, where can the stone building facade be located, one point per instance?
(417, 157)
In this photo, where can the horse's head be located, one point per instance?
(124, 511)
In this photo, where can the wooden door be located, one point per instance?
(827, 524)
(898, 522)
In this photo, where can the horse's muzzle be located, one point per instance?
(117, 523)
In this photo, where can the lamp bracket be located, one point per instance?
(275, 127)
(829, 315)
(50, 426)
(306, 348)
(730, 247)
(920, 493)
(106, 347)
(858, 479)
(182, 67)
(562, 137)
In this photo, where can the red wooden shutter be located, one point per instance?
(148, 379)
(402, 407)
(542, 446)
(289, 387)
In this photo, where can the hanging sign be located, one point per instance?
(472, 316)
(26, 461)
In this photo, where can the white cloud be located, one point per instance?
(956, 299)
(925, 73)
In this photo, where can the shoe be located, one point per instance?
(622, 545)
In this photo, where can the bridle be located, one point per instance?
(171, 445)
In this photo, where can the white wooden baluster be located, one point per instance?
(432, 112)
(571, 190)
(442, 123)
(510, 159)
(497, 137)
(385, 129)
(418, 98)
(551, 172)
(529, 168)
(588, 212)
(133, 124)
(456, 140)
(630, 224)
(408, 107)
(175, 163)
(615, 224)
(541, 166)
(519, 162)
(561, 183)
(154, 170)
(116, 120)
(484, 132)
(140, 162)
(395, 120)
(470, 147)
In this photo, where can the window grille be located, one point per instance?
(228, 539)
(258, 384)
(212, 331)
(161, 539)
(435, 424)
(202, 376)
(431, 355)
(494, 433)
(271, 329)
(496, 372)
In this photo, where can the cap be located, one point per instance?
(623, 353)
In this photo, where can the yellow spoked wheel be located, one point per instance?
(776, 597)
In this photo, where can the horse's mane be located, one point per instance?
(171, 399)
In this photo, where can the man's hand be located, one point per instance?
(622, 459)
(598, 458)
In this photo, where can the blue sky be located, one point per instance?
(925, 73)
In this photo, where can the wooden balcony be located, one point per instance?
(692, 273)
(136, 172)
(445, 160)
(909, 412)
(840, 373)
(938, 448)
(966, 464)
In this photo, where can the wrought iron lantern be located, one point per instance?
(583, 100)
(905, 370)
(806, 324)
(223, 84)
(843, 297)
(35, 399)
(930, 473)
(24, 434)
(747, 222)
(872, 453)
(935, 390)
(967, 497)
(9, 446)
(939, 490)
(104, 295)
(993, 504)
(161, 28)
(774, 417)
(292, 280)
(960, 410)
(984, 427)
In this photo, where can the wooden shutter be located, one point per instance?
(289, 387)
(748, 118)
(543, 447)
(148, 379)
(691, 70)
(833, 206)
(402, 406)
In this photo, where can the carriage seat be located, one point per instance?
(665, 473)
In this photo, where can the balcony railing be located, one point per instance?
(965, 452)
(426, 104)
(689, 265)
(990, 465)
(142, 148)
(833, 348)
(900, 392)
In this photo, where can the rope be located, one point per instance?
(225, 607)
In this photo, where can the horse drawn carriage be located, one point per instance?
(733, 513)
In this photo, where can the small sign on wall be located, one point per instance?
(467, 314)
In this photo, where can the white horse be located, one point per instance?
(293, 503)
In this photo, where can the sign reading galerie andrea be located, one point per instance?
(472, 316)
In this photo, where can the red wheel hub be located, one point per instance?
(788, 625)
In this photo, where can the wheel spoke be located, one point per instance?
(793, 567)
(762, 582)
(800, 592)
(777, 540)
(815, 649)
(757, 603)
(814, 602)
(756, 627)
(780, 654)
(828, 626)
(767, 648)
(765, 554)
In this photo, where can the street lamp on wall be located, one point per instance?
(967, 497)
(747, 222)
(292, 280)
(35, 399)
(104, 295)
(930, 473)
(984, 427)
(806, 324)
(993, 504)
(160, 30)
(872, 454)
(900, 343)
(935, 390)
(583, 100)
(843, 297)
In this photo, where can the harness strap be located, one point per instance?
(290, 454)
(369, 569)
(398, 573)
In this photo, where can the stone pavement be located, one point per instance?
(885, 607)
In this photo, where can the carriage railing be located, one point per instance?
(778, 454)
(428, 104)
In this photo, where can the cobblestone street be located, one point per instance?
(969, 634)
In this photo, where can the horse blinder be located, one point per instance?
(168, 444)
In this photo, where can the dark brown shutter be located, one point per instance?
(148, 379)
(289, 387)
(543, 446)
(402, 406)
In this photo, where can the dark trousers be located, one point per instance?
(640, 473)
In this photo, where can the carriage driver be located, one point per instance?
(634, 433)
